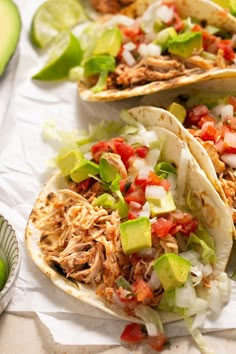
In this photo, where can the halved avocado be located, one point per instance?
(10, 24)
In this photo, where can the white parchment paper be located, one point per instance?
(24, 107)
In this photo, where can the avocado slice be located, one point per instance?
(178, 111)
(135, 235)
(109, 42)
(84, 170)
(10, 21)
(172, 270)
(67, 161)
(185, 44)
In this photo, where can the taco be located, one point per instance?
(132, 226)
(210, 118)
(156, 45)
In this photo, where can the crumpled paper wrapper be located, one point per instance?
(23, 170)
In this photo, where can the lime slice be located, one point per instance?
(3, 273)
(64, 54)
(52, 17)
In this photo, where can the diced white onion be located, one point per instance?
(227, 111)
(206, 124)
(117, 300)
(165, 13)
(198, 306)
(207, 270)
(153, 220)
(193, 258)
(139, 163)
(154, 282)
(196, 275)
(128, 57)
(151, 329)
(230, 159)
(144, 172)
(199, 320)
(119, 20)
(150, 49)
(185, 296)
(146, 210)
(130, 46)
(135, 205)
(152, 156)
(155, 192)
(216, 111)
(88, 155)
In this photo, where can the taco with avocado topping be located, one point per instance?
(209, 115)
(131, 225)
(156, 45)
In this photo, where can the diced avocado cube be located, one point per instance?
(83, 170)
(232, 7)
(185, 44)
(162, 206)
(164, 36)
(172, 270)
(135, 235)
(108, 171)
(106, 200)
(109, 42)
(99, 63)
(158, 25)
(67, 161)
(178, 111)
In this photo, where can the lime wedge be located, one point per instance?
(3, 273)
(64, 54)
(54, 16)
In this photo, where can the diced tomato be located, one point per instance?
(124, 184)
(135, 33)
(152, 180)
(226, 46)
(183, 222)
(133, 333)
(232, 101)
(137, 195)
(124, 150)
(219, 144)
(142, 151)
(161, 227)
(157, 342)
(142, 290)
(204, 119)
(178, 22)
(208, 132)
(99, 148)
(229, 145)
(195, 114)
(134, 211)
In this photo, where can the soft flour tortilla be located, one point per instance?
(201, 9)
(212, 212)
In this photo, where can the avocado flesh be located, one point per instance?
(135, 235)
(185, 44)
(84, 170)
(172, 270)
(67, 161)
(10, 32)
(109, 42)
(178, 111)
(162, 206)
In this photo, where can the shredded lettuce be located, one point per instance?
(208, 254)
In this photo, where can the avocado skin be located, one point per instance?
(10, 20)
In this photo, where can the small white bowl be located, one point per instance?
(9, 250)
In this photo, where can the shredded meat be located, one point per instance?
(110, 6)
(220, 60)
(148, 70)
(229, 186)
(197, 60)
(213, 154)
